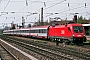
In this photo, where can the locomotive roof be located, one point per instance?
(75, 24)
(68, 25)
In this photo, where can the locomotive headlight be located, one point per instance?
(73, 35)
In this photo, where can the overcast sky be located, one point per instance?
(65, 8)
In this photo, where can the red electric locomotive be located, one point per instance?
(69, 33)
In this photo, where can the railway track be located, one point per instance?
(86, 45)
(5, 54)
(46, 53)
(67, 52)
(49, 51)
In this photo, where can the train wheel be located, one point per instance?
(61, 40)
(67, 42)
(52, 39)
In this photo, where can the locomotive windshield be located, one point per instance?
(78, 29)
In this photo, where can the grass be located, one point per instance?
(0, 31)
(42, 42)
(88, 41)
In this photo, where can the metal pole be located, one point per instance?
(42, 16)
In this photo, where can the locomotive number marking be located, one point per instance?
(62, 32)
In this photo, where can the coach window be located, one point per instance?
(26, 31)
(30, 31)
(17, 31)
(35, 31)
(14, 31)
(44, 31)
(41, 30)
(38, 31)
(21, 31)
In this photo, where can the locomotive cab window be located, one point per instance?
(69, 29)
(78, 29)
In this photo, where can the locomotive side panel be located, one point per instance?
(60, 32)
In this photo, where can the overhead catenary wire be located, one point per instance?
(70, 9)
(6, 5)
(55, 4)
(39, 9)
(77, 8)
(24, 8)
(50, 7)
(65, 9)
